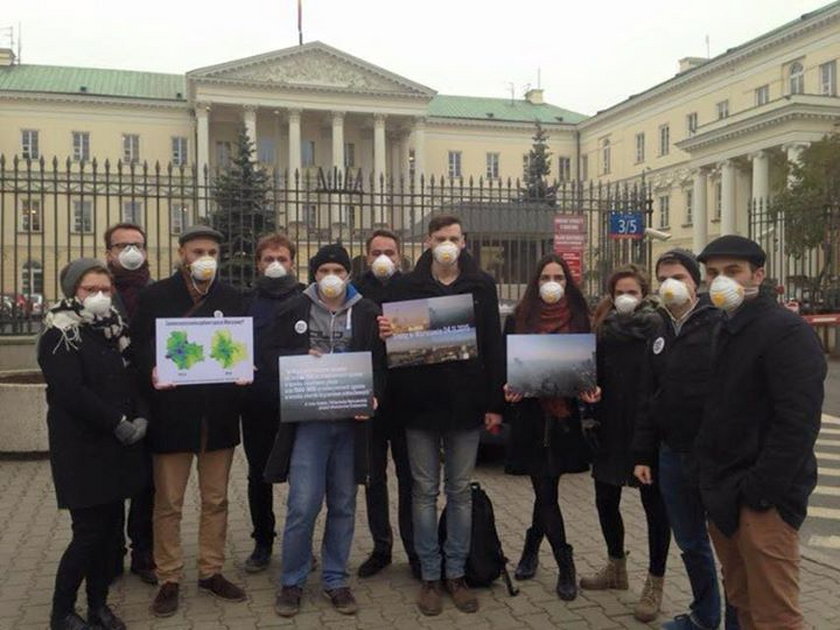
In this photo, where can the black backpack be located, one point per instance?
(486, 561)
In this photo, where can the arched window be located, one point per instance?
(796, 74)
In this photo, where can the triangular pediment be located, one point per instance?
(312, 66)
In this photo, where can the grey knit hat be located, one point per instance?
(74, 271)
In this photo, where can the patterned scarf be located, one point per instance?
(69, 315)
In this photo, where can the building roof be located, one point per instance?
(95, 81)
(503, 109)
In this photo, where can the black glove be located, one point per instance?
(130, 432)
(591, 429)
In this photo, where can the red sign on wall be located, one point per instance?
(570, 241)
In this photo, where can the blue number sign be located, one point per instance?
(627, 225)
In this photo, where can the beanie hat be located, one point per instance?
(72, 273)
(684, 257)
(734, 246)
(332, 253)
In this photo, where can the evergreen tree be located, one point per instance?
(242, 213)
(538, 168)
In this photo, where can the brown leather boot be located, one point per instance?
(612, 576)
(651, 600)
(430, 599)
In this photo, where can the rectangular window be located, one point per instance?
(606, 157)
(307, 153)
(222, 153)
(718, 200)
(689, 207)
(722, 109)
(762, 95)
(29, 144)
(796, 78)
(492, 170)
(310, 216)
(664, 140)
(351, 216)
(640, 147)
(179, 217)
(179, 151)
(131, 148)
(266, 150)
(664, 211)
(828, 78)
(82, 216)
(564, 169)
(81, 146)
(584, 167)
(412, 160)
(691, 123)
(30, 215)
(132, 212)
(349, 155)
(454, 164)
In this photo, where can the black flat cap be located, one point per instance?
(734, 246)
(200, 231)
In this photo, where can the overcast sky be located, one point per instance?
(591, 54)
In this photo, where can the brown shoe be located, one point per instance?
(464, 599)
(165, 603)
(220, 587)
(650, 602)
(430, 599)
(287, 601)
(342, 600)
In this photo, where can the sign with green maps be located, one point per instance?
(195, 350)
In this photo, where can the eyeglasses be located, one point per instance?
(121, 246)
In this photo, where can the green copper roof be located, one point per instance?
(480, 108)
(95, 81)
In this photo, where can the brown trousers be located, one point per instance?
(171, 474)
(760, 565)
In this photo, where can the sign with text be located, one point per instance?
(200, 350)
(570, 241)
(629, 225)
(330, 387)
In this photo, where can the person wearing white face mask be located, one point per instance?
(125, 254)
(755, 448)
(676, 377)
(189, 422)
(95, 424)
(624, 322)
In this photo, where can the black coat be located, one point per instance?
(373, 289)
(622, 343)
(762, 417)
(675, 383)
(89, 389)
(180, 415)
(284, 340)
(457, 394)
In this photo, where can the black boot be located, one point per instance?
(103, 617)
(70, 621)
(566, 580)
(530, 560)
(259, 558)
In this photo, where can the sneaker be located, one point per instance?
(220, 587)
(681, 622)
(165, 603)
(465, 600)
(259, 559)
(143, 566)
(374, 564)
(70, 621)
(105, 619)
(430, 599)
(287, 601)
(342, 600)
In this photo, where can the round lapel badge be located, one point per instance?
(658, 345)
(300, 327)
(218, 314)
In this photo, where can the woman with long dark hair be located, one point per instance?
(624, 321)
(546, 440)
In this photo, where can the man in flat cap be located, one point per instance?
(755, 448)
(189, 422)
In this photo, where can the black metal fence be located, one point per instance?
(51, 213)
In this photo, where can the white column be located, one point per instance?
(727, 190)
(794, 154)
(202, 144)
(419, 151)
(249, 118)
(338, 141)
(700, 211)
(294, 143)
(379, 164)
(760, 177)
(404, 157)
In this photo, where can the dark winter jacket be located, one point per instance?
(542, 445)
(286, 339)
(622, 344)
(756, 445)
(675, 382)
(373, 288)
(179, 416)
(89, 389)
(457, 394)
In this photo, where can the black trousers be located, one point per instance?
(140, 509)
(376, 494)
(87, 557)
(547, 518)
(607, 500)
(259, 429)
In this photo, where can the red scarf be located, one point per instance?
(553, 319)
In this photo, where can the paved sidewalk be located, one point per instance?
(33, 534)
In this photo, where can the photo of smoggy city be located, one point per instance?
(555, 366)
(433, 330)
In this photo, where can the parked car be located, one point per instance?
(15, 306)
(36, 304)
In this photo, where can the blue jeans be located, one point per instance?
(688, 522)
(322, 466)
(459, 452)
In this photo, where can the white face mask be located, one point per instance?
(446, 253)
(331, 286)
(383, 267)
(97, 304)
(729, 294)
(626, 303)
(275, 270)
(552, 292)
(204, 268)
(131, 258)
(674, 292)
